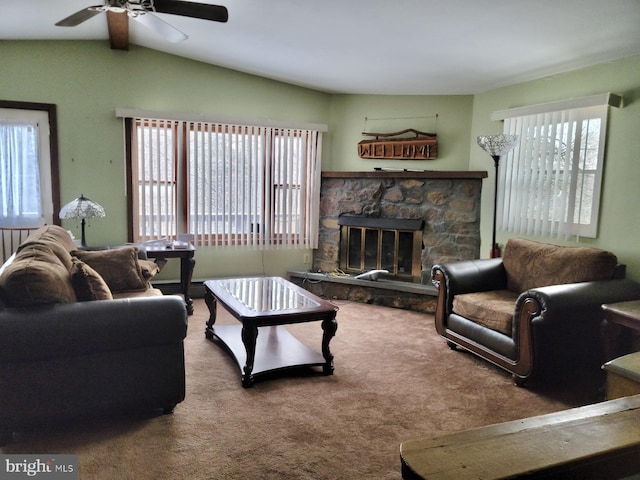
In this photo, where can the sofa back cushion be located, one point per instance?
(52, 234)
(45, 251)
(39, 272)
(31, 281)
(531, 264)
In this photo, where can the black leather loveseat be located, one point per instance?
(535, 311)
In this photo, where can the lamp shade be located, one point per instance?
(497, 145)
(82, 207)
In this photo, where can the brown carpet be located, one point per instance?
(395, 379)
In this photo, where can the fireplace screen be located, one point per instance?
(375, 243)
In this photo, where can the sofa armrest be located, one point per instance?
(85, 328)
(464, 277)
(562, 324)
(471, 276)
(580, 299)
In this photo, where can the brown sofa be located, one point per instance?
(83, 334)
(535, 311)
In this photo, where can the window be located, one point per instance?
(231, 185)
(29, 192)
(550, 183)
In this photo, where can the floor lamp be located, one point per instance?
(496, 146)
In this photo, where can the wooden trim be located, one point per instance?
(221, 120)
(128, 138)
(408, 174)
(181, 166)
(118, 26)
(610, 99)
(51, 110)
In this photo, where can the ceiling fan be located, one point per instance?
(119, 11)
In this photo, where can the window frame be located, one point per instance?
(510, 191)
(52, 117)
(182, 175)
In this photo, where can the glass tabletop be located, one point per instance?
(265, 294)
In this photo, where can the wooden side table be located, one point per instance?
(187, 264)
(619, 317)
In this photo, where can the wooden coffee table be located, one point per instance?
(263, 305)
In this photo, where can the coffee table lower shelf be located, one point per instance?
(276, 349)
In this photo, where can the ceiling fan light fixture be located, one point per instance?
(107, 8)
(137, 9)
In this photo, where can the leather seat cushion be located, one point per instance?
(493, 309)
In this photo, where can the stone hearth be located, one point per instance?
(389, 293)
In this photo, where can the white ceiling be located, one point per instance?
(412, 47)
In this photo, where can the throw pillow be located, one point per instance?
(87, 283)
(118, 267)
(149, 268)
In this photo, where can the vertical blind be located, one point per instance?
(155, 172)
(227, 184)
(551, 181)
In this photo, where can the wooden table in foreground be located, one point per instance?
(263, 305)
(600, 441)
(619, 318)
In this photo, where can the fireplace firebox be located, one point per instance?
(369, 243)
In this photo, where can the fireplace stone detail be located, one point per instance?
(447, 202)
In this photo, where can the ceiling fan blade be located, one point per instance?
(79, 17)
(118, 24)
(215, 13)
(161, 27)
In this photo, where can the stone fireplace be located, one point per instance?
(445, 204)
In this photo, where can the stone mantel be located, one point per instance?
(434, 174)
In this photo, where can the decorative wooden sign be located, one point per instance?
(422, 146)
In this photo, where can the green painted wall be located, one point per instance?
(353, 114)
(619, 227)
(88, 81)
